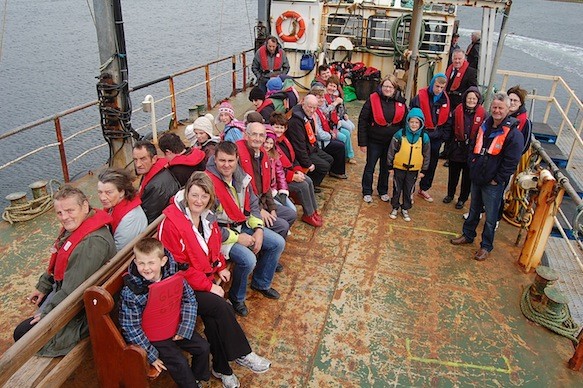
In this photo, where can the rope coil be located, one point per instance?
(31, 209)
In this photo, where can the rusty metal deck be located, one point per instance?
(366, 301)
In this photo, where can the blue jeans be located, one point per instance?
(374, 152)
(487, 197)
(264, 264)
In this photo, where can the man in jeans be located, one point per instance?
(245, 240)
(494, 159)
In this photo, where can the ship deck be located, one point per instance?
(365, 300)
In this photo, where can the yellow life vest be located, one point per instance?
(410, 156)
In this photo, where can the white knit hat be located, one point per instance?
(205, 123)
(189, 134)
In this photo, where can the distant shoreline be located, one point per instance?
(568, 1)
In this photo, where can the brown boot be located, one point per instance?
(460, 240)
(481, 254)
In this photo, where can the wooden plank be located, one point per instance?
(34, 370)
(61, 372)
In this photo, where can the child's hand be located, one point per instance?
(159, 365)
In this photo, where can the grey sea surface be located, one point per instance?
(49, 60)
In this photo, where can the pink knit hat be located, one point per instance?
(227, 108)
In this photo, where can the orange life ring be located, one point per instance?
(296, 34)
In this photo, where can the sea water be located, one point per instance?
(49, 59)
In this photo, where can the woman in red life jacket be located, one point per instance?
(467, 118)
(191, 233)
(518, 111)
(118, 197)
(382, 115)
(335, 111)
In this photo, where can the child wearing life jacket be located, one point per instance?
(408, 157)
(158, 313)
(234, 129)
(201, 135)
(279, 186)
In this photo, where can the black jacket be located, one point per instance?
(371, 132)
(157, 194)
(296, 133)
(470, 78)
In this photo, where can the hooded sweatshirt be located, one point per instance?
(436, 104)
(412, 137)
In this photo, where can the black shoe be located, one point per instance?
(446, 164)
(279, 267)
(459, 204)
(447, 199)
(317, 189)
(269, 293)
(240, 308)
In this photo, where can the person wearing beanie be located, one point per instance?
(434, 103)
(467, 118)
(277, 95)
(204, 135)
(263, 105)
(408, 157)
(517, 97)
(234, 128)
(275, 84)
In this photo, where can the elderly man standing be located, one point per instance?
(269, 61)
(158, 184)
(460, 77)
(301, 132)
(84, 244)
(473, 50)
(255, 162)
(494, 159)
(245, 240)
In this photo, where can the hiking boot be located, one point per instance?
(254, 362)
(393, 215)
(447, 199)
(461, 240)
(425, 195)
(481, 254)
(367, 198)
(240, 308)
(405, 214)
(385, 198)
(270, 293)
(229, 381)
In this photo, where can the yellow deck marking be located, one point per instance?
(424, 230)
(456, 364)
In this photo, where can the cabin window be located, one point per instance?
(379, 34)
(346, 25)
(434, 37)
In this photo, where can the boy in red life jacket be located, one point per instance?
(158, 313)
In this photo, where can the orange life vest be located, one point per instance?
(495, 146)
(443, 113)
(161, 316)
(379, 116)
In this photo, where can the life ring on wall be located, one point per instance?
(298, 21)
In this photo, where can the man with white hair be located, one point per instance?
(496, 154)
(473, 51)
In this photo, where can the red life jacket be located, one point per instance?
(60, 254)
(323, 120)
(426, 108)
(277, 62)
(160, 164)
(119, 211)
(379, 116)
(192, 158)
(161, 316)
(229, 204)
(522, 119)
(246, 161)
(497, 142)
(459, 123)
(334, 114)
(309, 131)
(265, 103)
(458, 77)
(209, 263)
(285, 161)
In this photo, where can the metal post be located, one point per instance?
(499, 48)
(149, 105)
(207, 76)
(414, 34)
(173, 103)
(234, 75)
(64, 165)
(244, 67)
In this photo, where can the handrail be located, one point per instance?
(232, 59)
(19, 353)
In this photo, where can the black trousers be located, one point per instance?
(184, 375)
(323, 162)
(427, 180)
(337, 151)
(226, 338)
(403, 183)
(455, 170)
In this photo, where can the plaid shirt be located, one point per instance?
(133, 304)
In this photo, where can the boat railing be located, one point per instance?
(228, 75)
(26, 347)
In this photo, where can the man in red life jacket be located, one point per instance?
(269, 61)
(158, 313)
(182, 161)
(83, 246)
(495, 155)
(460, 77)
(158, 184)
(254, 161)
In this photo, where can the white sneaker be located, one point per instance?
(254, 362)
(466, 215)
(229, 381)
(367, 198)
(497, 225)
(385, 198)
(393, 215)
(405, 214)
